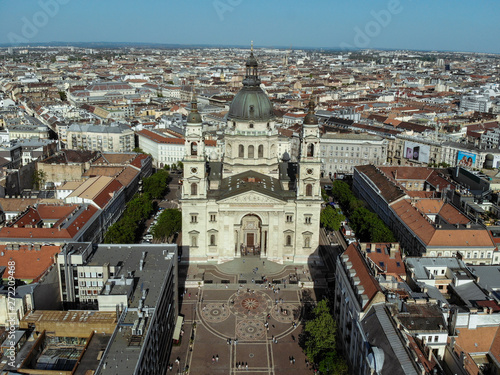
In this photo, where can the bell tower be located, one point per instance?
(195, 181)
(310, 163)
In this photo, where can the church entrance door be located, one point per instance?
(250, 240)
(250, 235)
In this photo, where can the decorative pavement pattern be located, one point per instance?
(285, 312)
(250, 330)
(250, 304)
(215, 312)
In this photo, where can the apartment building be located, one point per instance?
(115, 137)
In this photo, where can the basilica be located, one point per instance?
(249, 200)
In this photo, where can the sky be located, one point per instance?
(444, 25)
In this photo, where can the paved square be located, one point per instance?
(251, 328)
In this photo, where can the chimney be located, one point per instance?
(392, 251)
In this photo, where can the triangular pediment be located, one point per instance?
(251, 197)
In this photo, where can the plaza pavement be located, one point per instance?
(238, 309)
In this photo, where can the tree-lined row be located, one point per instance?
(367, 225)
(128, 229)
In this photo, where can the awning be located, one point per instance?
(177, 329)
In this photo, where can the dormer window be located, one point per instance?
(250, 126)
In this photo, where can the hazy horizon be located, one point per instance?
(445, 26)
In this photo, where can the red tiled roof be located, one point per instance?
(102, 199)
(452, 215)
(31, 264)
(56, 231)
(159, 138)
(370, 285)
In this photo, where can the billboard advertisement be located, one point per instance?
(466, 159)
(417, 152)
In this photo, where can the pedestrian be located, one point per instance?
(293, 338)
(213, 359)
(217, 358)
(293, 360)
(246, 365)
(290, 359)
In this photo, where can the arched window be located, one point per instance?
(307, 242)
(288, 240)
(194, 149)
(250, 152)
(212, 240)
(194, 189)
(194, 241)
(310, 150)
(309, 190)
(261, 151)
(241, 151)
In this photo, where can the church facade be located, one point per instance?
(250, 201)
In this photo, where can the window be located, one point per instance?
(194, 189)
(289, 218)
(194, 241)
(308, 219)
(436, 338)
(250, 152)
(250, 126)
(261, 151)
(212, 240)
(213, 218)
(194, 149)
(288, 240)
(194, 218)
(310, 150)
(309, 190)
(241, 151)
(307, 242)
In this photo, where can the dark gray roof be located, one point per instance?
(380, 333)
(489, 276)
(251, 181)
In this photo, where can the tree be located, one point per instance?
(138, 150)
(157, 184)
(319, 341)
(39, 178)
(180, 165)
(321, 332)
(324, 195)
(333, 364)
(169, 222)
(331, 218)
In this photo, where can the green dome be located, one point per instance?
(251, 103)
(194, 116)
(311, 118)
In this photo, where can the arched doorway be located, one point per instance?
(250, 235)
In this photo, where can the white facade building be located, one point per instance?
(340, 152)
(249, 202)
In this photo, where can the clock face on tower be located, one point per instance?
(194, 170)
(309, 171)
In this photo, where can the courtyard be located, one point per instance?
(247, 320)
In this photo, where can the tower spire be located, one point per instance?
(251, 46)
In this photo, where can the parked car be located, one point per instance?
(148, 237)
(327, 187)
